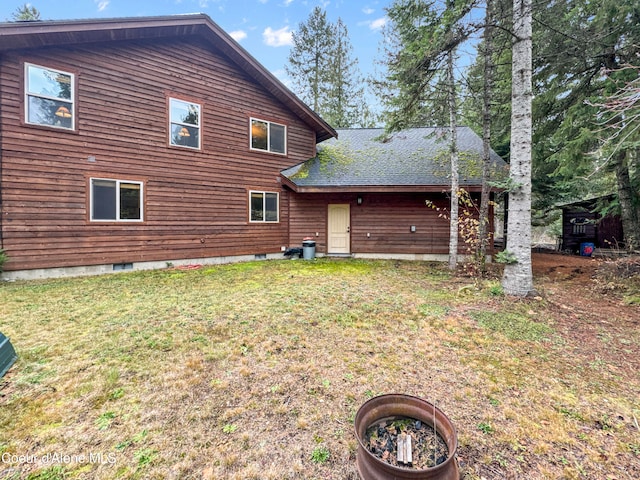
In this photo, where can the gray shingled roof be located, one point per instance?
(412, 157)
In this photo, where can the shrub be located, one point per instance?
(3, 258)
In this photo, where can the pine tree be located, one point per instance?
(325, 74)
(345, 105)
(26, 13)
(578, 41)
(420, 62)
(309, 62)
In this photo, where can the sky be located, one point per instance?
(262, 27)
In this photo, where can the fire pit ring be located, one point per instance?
(395, 405)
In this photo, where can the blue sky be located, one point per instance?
(262, 27)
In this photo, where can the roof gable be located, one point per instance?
(413, 159)
(42, 34)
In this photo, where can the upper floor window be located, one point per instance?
(268, 136)
(184, 123)
(264, 206)
(116, 200)
(49, 97)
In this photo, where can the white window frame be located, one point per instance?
(118, 183)
(189, 125)
(268, 150)
(28, 93)
(264, 211)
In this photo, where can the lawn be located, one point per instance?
(256, 371)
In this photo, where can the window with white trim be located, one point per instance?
(49, 97)
(184, 123)
(116, 200)
(264, 206)
(268, 136)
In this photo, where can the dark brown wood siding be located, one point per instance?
(386, 218)
(580, 225)
(195, 202)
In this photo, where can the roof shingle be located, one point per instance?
(411, 158)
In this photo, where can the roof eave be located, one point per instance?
(372, 188)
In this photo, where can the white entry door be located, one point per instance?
(339, 237)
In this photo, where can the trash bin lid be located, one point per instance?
(308, 243)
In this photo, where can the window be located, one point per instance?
(184, 123)
(49, 97)
(116, 200)
(268, 136)
(264, 206)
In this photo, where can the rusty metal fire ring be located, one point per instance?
(393, 405)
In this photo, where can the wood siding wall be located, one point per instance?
(195, 202)
(387, 219)
(603, 232)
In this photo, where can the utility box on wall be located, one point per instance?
(7, 354)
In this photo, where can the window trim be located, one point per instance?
(269, 123)
(264, 193)
(118, 182)
(26, 93)
(170, 99)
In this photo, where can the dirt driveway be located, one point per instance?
(586, 313)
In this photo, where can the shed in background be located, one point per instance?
(582, 223)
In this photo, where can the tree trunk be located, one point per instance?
(629, 214)
(453, 222)
(483, 227)
(518, 277)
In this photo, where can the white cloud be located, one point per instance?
(277, 38)
(102, 4)
(287, 2)
(238, 35)
(378, 23)
(368, 10)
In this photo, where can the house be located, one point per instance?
(137, 143)
(133, 142)
(583, 224)
(368, 194)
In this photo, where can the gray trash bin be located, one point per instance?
(308, 249)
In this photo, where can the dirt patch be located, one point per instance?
(593, 321)
(554, 266)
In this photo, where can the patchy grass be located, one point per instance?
(256, 371)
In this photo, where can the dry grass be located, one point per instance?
(256, 370)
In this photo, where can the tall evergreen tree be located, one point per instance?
(26, 13)
(325, 74)
(487, 52)
(487, 105)
(454, 160)
(422, 40)
(309, 61)
(581, 47)
(345, 105)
